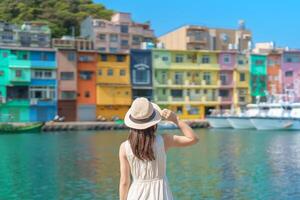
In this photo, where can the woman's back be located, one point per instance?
(149, 177)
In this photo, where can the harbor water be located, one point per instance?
(225, 164)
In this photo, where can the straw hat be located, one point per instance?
(142, 114)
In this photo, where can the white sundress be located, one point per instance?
(149, 177)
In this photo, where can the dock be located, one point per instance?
(94, 125)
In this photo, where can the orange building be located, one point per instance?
(274, 83)
(86, 85)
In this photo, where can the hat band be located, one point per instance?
(141, 121)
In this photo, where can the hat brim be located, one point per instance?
(157, 118)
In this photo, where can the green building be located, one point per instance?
(258, 76)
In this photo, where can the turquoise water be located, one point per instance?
(225, 164)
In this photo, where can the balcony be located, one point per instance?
(225, 100)
(198, 40)
(63, 44)
(19, 63)
(43, 64)
(226, 84)
(17, 102)
(43, 102)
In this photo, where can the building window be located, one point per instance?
(177, 93)
(124, 43)
(71, 56)
(240, 62)
(120, 58)
(87, 94)
(242, 77)
(43, 74)
(164, 91)
(193, 111)
(44, 56)
(178, 78)
(289, 73)
(179, 59)
(86, 58)
(102, 37)
(113, 50)
(206, 78)
(18, 73)
(124, 28)
(122, 72)
(110, 72)
(136, 40)
(227, 59)
(66, 76)
(259, 62)
(179, 110)
(223, 78)
(103, 57)
(113, 38)
(292, 58)
(165, 58)
(102, 49)
(1, 72)
(68, 95)
(141, 75)
(42, 93)
(224, 93)
(197, 91)
(100, 72)
(205, 59)
(85, 75)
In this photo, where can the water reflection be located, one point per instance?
(226, 164)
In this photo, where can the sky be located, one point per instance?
(269, 20)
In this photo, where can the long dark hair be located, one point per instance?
(141, 142)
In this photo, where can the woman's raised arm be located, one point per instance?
(189, 137)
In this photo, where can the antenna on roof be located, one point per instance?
(242, 25)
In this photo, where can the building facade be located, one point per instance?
(291, 72)
(274, 81)
(114, 95)
(141, 73)
(30, 34)
(192, 37)
(120, 34)
(86, 85)
(258, 80)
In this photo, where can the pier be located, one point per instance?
(94, 125)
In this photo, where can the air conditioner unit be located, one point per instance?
(33, 101)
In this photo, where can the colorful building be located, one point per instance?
(291, 72)
(114, 94)
(274, 84)
(191, 37)
(86, 85)
(241, 94)
(141, 73)
(258, 78)
(43, 85)
(186, 82)
(120, 34)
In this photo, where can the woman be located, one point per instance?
(144, 153)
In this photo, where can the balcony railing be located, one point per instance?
(43, 64)
(19, 63)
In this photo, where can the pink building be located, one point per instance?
(120, 34)
(291, 72)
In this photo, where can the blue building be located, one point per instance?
(141, 73)
(43, 85)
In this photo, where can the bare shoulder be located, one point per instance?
(122, 148)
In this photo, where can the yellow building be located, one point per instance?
(113, 86)
(186, 82)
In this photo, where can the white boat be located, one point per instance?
(218, 122)
(218, 119)
(165, 125)
(278, 117)
(243, 121)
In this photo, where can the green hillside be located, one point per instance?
(60, 14)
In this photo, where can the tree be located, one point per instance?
(61, 15)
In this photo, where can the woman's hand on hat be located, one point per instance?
(169, 115)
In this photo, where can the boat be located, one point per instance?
(242, 121)
(278, 117)
(218, 120)
(21, 127)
